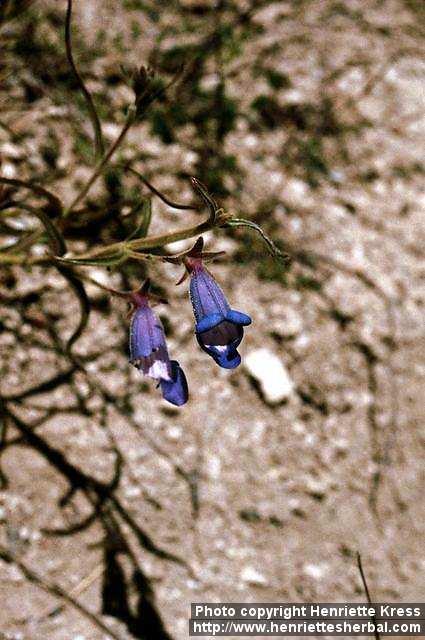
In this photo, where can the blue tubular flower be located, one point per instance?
(219, 329)
(149, 353)
(175, 390)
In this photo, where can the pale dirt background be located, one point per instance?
(287, 493)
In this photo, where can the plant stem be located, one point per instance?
(158, 241)
(99, 146)
(150, 242)
(54, 201)
(160, 195)
(23, 259)
(131, 116)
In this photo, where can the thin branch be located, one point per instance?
(82, 586)
(54, 201)
(160, 195)
(24, 243)
(83, 300)
(362, 575)
(202, 191)
(150, 242)
(55, 590)
(94, 489)
(131, 117)
(135, 112)
(43, 387)
(99, 146)
(56, 240)
(273, 249)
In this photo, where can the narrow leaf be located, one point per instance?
(99, 146)
(54, 202)
(273, 249)
(207, 198)
(56, 240)
(111, 260)
(80, 291)
(141, 230)
(158, 193)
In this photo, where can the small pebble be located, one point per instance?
(252, 576)
(269, 371)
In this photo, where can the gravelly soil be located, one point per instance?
(261, 503)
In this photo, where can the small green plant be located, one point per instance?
(58, 220)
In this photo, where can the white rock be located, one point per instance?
(288, 323)
(174, 433)
(315, 571)
(265, 367)
(111, 130)
(132, 492)
(213, 466)
(8, 170)
(252, 576)
(11, 150)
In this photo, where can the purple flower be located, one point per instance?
(149, 353)
(219, 329)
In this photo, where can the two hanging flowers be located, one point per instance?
(218, 328)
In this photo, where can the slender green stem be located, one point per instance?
(241, 222)
(151, 242)
(23, 243)
(143, 256)
(131, 116)
(54, 201)
(80, 292)
(56, 239)
(158, 241)
(160, 195)
(12, 258)
(207, 198)
(99, 146)
(25, 260)
(135, 112)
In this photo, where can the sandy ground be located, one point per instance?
(256, 502)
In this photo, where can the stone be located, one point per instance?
(269, 371)
(252, 576)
